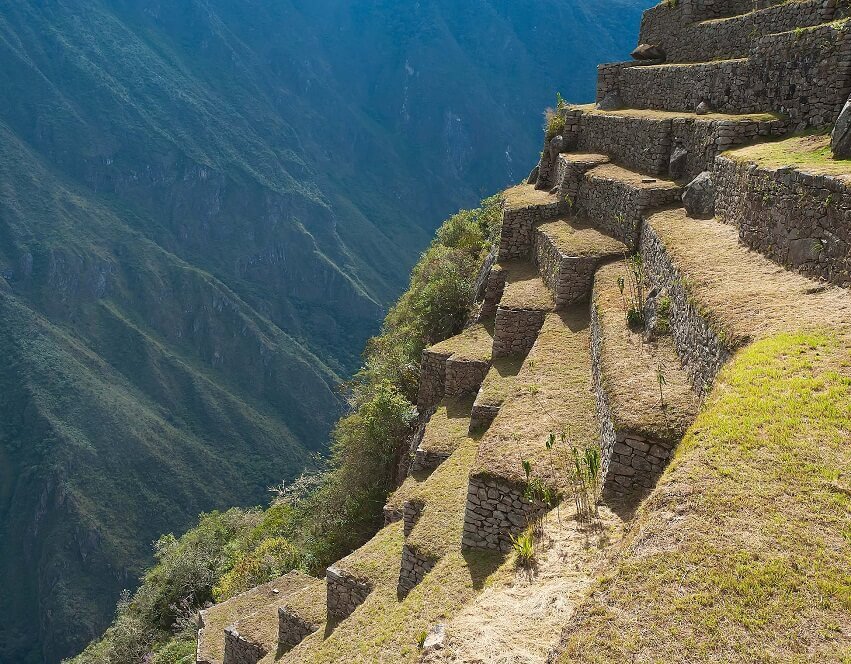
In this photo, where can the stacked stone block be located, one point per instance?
(570, 171)
(804, 74)
(412, 510)
(464, 377)
(494, 287)
(800, 220)
(515, 331)
(700, 346)
(413, 569)
(432, 379)
(568, 277)
(345, 593)
(239, 650)
(496, 510)
(293, 628)
(482, 416)
(518, 227)
(731, 37)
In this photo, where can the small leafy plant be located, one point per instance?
(632, 288)
(586, 483)
(421, 639)
(524, 547)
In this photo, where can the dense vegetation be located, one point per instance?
(321, 517)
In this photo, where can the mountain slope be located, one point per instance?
(204, 207)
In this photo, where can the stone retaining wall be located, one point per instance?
(515, 331)
(801, 221)
(412, 510)
(465, 377)
(432, 379)
(518, 227)
(699, 346)
(494, 288)
(345, 593)
(730, 38)
(805, 74)
(293, 628)
(631, 463)
(413, 569)
(568, 277)
(496, 510)
(481, 417)
(425, 460)
(571, 169)
(616, 207)
(238, 650)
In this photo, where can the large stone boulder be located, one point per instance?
(699, 196)
(840, 140)
(649, 52)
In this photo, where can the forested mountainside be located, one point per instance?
(204, 208)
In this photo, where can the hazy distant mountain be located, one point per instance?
(204, 207)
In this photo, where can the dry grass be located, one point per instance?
(586, 157)
(499, 382)
(650, 114)
(808, 153)
(447, 428)
(743, 552)
(632, 178)
(575, 236)
(525, 195)
(377, 561)
(524, 288)
(309, 603)
(552, 394)
(519, 617)
(217, 618)
(474, 343)
(629, 368)
(742, 293)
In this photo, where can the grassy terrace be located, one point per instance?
(309, 603)
(447, 428)
(474, 343)
(524, 288)
(499, 382)
(552, 394)
(743, 294)
(386, 629)
(631, 178)
(809, 153)
(525, 195)
(575, 236)
(220, 616)
(630, 369)
(650, 114)
(743, 552)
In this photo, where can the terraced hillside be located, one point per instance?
(669, 295)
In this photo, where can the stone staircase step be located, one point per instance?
(645, 139)
(525, 302)
(525, 206)
(493, 393)
(800, 177)
(728, 37)
(641, 421)
(214, 621)
(455, 367)
(252, 637)
(552, 394)
(805, 74)
(569, 169)
(567, 253)
(444, 432)
(615, 199)
(301, 615)
(723, 296)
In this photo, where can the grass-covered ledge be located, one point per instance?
(743, 553)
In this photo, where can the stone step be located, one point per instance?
(683, 12)
(565, 175)
(647, 140)
(301, 615)
(641, 420)
(437, 519)
(455, 367)
(614, 199)
(729, 37)
(252, 637)
(495, 389)
(567, 253)
(525, 302)
(804, 74)
(214, 621)
(800, 177)
(552, 395)
(443, 433)
(525, 206)
(723, 296)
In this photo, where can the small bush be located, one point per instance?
(524, 548)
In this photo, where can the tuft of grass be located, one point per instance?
(524, 548)
(808, 152)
